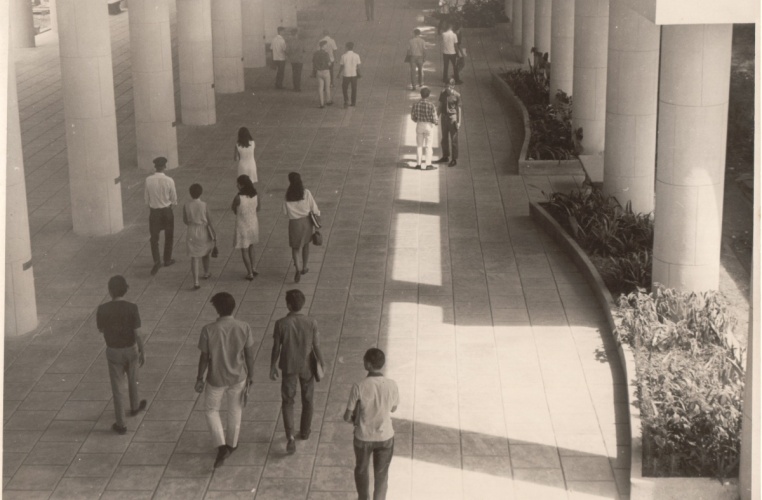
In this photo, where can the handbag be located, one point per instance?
(317, 239)
(316, 367)
(213, 237)
(315, 220)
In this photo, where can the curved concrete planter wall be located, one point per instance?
(642, 488)
(532, 167)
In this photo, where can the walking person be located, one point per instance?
(295, 55)
(119, 322)
(160, 195)
(450, 113)
(225, 365)
(369, 7)
(295, 337)
(244, 154)
(200, 234)
(424, 114)
(321, 68)
(350, 72)
(449, 54)
(245, 207)
(278, 46)
(371, 403)
(330, 48)
(416, 50)
(298, 205)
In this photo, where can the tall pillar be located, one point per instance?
(194, 37)
(288, 13)
(527, 30)
(517, 19)
(152, 82)
(542, 14)
(20, 301)
(508, 9)
(591, 33)
(53, 16)
(227, 46)
(273, 18)
(562, 47)
(90, 117)
(252, 17)
(690, 160)
(22, 24)
(631, 101)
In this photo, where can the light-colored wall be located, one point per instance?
(253, 18)
(227, 46)
(665, 12)
(194, 36)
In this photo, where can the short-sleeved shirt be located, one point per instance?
(449, 103)
(376, 395)
(118, 321)
(424, 112)
(224, 342)
(296, 334)
(278, 45)
(350, 60)
(449, 40)
(330, 46)
(160, 191)
(417, 47)
(301, 208)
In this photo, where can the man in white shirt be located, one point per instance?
(449, 55)
(278, 46)
(350, 72)
(160, 195)
(330, 47)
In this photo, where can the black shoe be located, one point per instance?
(305, 270)
(223, 452)
(231, 449)
(443, 159)
(119, 429)
(430, 167)
(418, 166)
(329, 103)
(352, 104)
(155, 268)
(291, 446)
(141, 406)
(169, 262)
(346, 104)
(453, 163)
(304, 436)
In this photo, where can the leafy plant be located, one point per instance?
(475, 14)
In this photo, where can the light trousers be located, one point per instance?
(213, 403)
(324, 86)
(424, 139)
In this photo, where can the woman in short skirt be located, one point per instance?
(245, 206)
(298, 205)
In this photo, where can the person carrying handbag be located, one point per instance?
(200, 235)
(299, 206)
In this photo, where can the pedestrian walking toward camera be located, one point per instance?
(295, 55)
(298, 205)
(321, 68)
(225, 368)
(424, 114)
(350, 72)
(295, 337)
(416, 51)
(371, 403)
(119, 322)
(449, 54)
(244, 154)
(245, 207)
(278, 46)
(330, 48)
(200, 235)
(449, 113)
(160, 195)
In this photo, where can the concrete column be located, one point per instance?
(690, 160)
(273, 18)
(152, 82)
(288, 13)
(53, 16)
(90, 118)
(631, 101)
(194, 36)
(517, 19)
(253, 19)
(22, 24)
(562, 47)
(542, 14)
(527, 31)
(227, 46)
(508, 9)
(20, 302)
(591, 33)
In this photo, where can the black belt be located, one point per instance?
(162, 208)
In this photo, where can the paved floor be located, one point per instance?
(508, 390)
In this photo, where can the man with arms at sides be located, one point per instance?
(450, 113)
(160, 195)
(330, 48)
(416, 49)
(449, 54)
(278, 46)
(424, 114)
(350, 72)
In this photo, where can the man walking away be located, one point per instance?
(160, 195)
(321, 68)
(295, 55)
(227, 352)
(450, 113)
(371, 403)
(449, 54)
(350, 72)
(278, 46)
(416, 49)
(330, 48)
(369, 9)
(294, 337)
(424, 114)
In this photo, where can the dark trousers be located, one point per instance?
(161, 219)
(382, 452)
(345, 82)
(296, 75)
(449, 137)
(330, 70)
(446, 60)
(369, 9)
(281, 67)
(123, 363)
(288, 391)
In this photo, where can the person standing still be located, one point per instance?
(450, 113)
(416, 49)
(371, 403)
(424, 114)
(278, 46)
(119, 322)
(294, 337)
(449, 54)
(330, 48)
(321, 68)
(227, 360)
(369, 7)
(350, 72)
(295, 55)
(160, 195)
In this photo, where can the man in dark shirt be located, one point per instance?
(321, 69)
(119, 321)
(295, 336)
(295, 55)
(450, 113)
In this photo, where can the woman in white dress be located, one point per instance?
(244, 154)
(245, 207)
(200, 236)
(298, 205)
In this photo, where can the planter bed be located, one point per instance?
(641, 488)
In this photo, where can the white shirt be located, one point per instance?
(160, 191)
(330, 46)
(350, 60)
(301, 208)
(449, 39)
(376, 395)
(279, 48)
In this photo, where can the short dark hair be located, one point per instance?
(117, 286)
(295, 300)
(425, 92)
(375, 358)
(196, 190)
(350, 45)
(281, 28)
(416, 32)
(223, 303)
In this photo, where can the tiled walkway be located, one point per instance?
(490, 331)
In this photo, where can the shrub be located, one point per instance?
(690, 382)
(475, 14)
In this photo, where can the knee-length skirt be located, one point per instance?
(299, 232)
